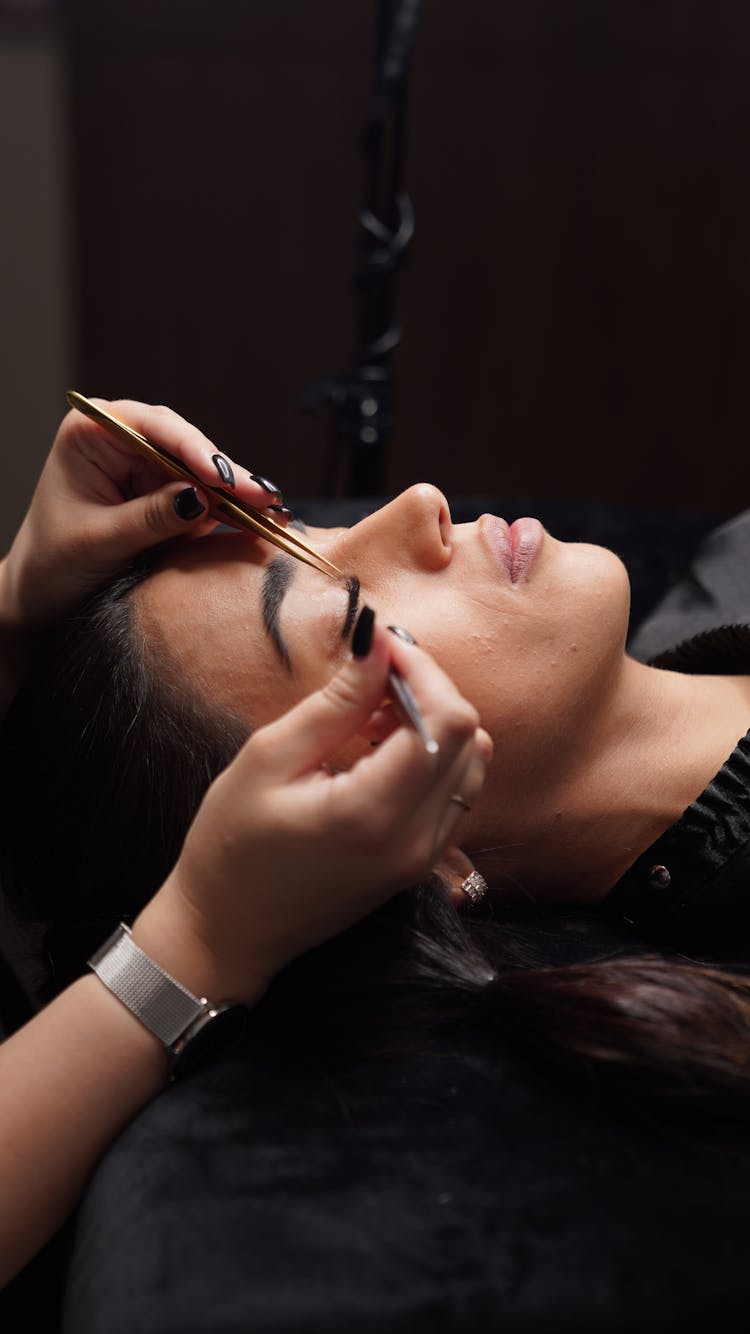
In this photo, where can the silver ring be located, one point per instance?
(474, 887)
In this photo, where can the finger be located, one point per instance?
(465, 784)
(433, 688)
(403, 808)
(381, 723)
(447, 716)
(310, 733)
(136, 525)
(192, 447)
(400, 774)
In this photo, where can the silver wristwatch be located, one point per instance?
(191, 1027)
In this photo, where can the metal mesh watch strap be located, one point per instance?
(155, 997)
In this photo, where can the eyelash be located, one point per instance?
(352, 588)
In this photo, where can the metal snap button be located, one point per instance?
(659, 877)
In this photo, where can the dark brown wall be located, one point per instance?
(577, 310)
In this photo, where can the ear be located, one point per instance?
(453, 867)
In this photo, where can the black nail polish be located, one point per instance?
(281, 509)
(224, 469)
(187, 504)
(363, 632)
(264, 482)
(402, 634)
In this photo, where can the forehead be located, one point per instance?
(212, 575)
(200, 613)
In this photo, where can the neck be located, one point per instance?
(652, 750)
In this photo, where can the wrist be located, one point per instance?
(190, 1028)
(167, 931)
(17, 638)
(125, 1035)
(13, 618)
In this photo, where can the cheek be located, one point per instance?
(529, 666)
(593, 591)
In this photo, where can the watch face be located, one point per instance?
(221, 1030)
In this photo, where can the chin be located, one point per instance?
(596, 585)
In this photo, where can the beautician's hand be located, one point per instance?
(98, 503)
(284, 853)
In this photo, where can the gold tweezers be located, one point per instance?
(222, 504)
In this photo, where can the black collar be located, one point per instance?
(693, 883)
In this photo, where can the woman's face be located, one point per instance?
(532, 630)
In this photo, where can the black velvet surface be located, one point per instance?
(453, 1192)
(449, 1195)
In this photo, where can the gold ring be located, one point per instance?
(459, 800)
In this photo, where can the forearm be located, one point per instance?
(70, 1080)
(16, 641)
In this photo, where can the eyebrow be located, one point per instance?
(278, 575)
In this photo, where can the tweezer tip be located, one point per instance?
(431, 747)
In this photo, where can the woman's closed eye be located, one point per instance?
(352, 588)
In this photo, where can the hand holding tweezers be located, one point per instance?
(228, 508)
(222, 505)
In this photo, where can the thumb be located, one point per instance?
(313, 730)
(167, 512)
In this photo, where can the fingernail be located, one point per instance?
(402, 634)
(363, 632)
(224, 469)
(281, 509)
(188, 504)
(264, 482)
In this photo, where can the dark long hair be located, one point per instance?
(103, 762)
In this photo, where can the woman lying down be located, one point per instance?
(614, 784)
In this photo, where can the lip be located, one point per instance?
(527, 536)
(515, 547)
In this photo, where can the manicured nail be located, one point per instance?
(224, 469)
(264, 482)
(188, 504)
(363, 632)
(281, 509)
(402, 634)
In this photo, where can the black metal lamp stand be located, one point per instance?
(362, 400)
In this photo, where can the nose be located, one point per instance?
(413, 530)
